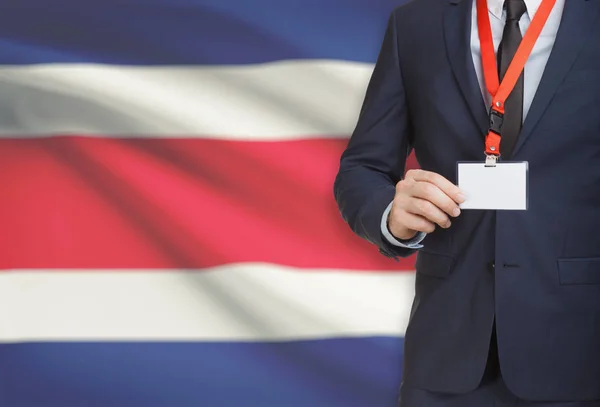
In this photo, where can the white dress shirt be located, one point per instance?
(534, 68)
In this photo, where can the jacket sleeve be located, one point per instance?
(375, 158)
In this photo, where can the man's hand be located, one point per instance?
(423, 200)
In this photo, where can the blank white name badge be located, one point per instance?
(501, 187)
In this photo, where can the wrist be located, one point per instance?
(402, 233)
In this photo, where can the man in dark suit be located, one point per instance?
(507, 303)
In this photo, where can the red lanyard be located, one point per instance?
(501, 91)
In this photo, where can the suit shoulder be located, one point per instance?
(415, 18)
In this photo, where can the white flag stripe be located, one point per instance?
(284, 100)
(241, 302)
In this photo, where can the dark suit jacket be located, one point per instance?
(545, 288)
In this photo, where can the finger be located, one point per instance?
(429, 211)
(430, 192)
(415, 222)
(442, 183)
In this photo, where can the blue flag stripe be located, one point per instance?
(359, 372)
(186, 32)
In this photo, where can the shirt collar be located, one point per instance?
(496, 7)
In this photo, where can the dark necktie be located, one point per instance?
(513, 107)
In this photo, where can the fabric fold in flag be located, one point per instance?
(190, 32)
(349, 372)
(279, 101)
(93, 202)
(238, 302)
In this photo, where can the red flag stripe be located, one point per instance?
(82, 202)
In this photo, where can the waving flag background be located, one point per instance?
(168, 231)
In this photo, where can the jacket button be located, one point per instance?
(491, 266)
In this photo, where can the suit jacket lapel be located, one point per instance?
(457, 34)
(577, 20)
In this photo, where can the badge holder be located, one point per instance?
(494, 185)
(501, 186)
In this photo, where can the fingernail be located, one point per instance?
(456, 212)
(461, 198)
(447, 225)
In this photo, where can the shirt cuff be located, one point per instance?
(413, 243)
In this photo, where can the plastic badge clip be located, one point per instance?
(490, 160)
